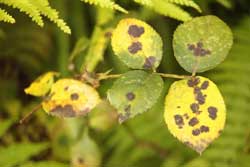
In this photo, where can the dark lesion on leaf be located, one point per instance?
(186, 116)
(149, 62)
(204, 128)
(74, 96)
(194, 107)
(135, 31)
(179, 121)
(63, 111)
(193, 81)
(130, 96)
(204, 85)
(196, 132)
(193, 121)
(212, 112)
(198, 49)
(135, 47)
(126, 115)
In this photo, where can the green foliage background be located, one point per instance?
(26, 50)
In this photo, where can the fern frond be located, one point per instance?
(52, 14)
(106, 4)
(27, 7)
(4, 16)
(188, 3)
(166, 8)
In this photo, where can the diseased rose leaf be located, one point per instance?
(202, 43)
(42, 85)
(70, 98)
(137, 44)
(134, 93)
(195, 112)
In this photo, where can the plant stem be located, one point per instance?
(162, 152)
(103, 77)
(174, 76)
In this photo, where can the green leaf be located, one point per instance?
(202, 43)
(134, 93)
(86, 152)
(137, 44)
(44, 164)
(80, 46)
(5, 124)
(18, 153)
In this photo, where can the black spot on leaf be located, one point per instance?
(212, 112)
(127, 108)
(204, 85)
(135, 31)
(195, 107)
(135, 47)
(66, 111)
(149, 62)
(74, 96)
(198, 49)
(193, 82)
(186, 116)
(179, 120)
(204, 128)
(193, 121)
(130, 96)
(196, 132)
(200, 98)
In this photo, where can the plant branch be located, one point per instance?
(162, 152)
(111, 76)
(174, 76)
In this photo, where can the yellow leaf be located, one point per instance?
(42, 84)
(70, 98)
(195, 112)
(137, 44)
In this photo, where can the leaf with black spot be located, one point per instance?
(70, 98)
(137, 44)
(204, 120)
(134, 93)
(202, 43)
(85, 152)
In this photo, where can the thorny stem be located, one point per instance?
(162, 152)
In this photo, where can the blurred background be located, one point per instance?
(27, 50)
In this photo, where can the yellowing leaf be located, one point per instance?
(70, 98)
(42, 84)
(137, 44)
(195, 112)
